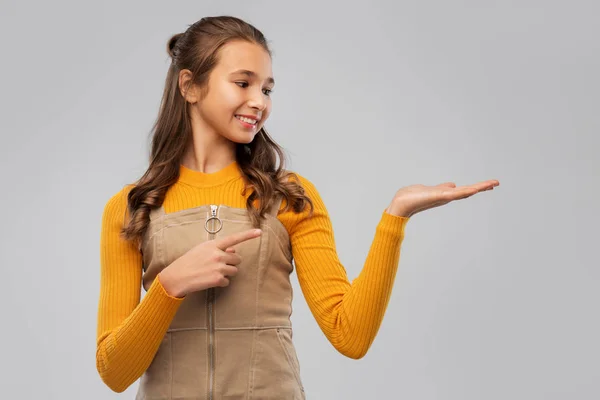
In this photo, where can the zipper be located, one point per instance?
(210, 299)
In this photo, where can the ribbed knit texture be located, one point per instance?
(130, 331)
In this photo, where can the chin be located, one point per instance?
(243, 139)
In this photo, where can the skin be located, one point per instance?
(215, 133)
(215, 128)
(413, 199)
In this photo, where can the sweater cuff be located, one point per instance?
(392, 226)
(165, 297)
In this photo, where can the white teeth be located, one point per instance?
(247, 120)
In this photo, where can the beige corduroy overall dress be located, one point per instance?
(233, 342)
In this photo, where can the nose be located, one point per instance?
(257, 101)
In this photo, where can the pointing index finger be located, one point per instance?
(237, 238)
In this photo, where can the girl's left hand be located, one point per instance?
(416, 198)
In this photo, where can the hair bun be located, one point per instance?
(172, 43)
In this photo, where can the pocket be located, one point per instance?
(285, 340)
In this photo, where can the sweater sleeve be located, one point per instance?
(348, 313)
(129, 332)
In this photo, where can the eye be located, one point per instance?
(244, 84)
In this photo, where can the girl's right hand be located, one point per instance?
(206, 265)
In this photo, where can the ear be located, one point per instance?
(189, 91)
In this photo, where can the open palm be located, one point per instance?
(412, 199)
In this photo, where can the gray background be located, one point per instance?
(497, 295)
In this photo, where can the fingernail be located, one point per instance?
(258, 231)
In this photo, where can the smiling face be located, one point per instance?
(236, 102)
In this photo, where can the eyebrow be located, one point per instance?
(252, 74)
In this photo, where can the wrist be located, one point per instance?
(398, 210)
(170, 284)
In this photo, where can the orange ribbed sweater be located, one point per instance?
(129, 331)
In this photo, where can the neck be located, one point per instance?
(208, 151)
(208, 160)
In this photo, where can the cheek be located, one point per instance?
(266, 113)
(231, 99)
(228, 98)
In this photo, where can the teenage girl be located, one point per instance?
(210, 231)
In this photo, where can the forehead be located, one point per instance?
(242, 55)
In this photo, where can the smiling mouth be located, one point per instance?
(250, 121)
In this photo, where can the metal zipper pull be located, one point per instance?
(213, 217)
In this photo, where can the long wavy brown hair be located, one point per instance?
(197, 49)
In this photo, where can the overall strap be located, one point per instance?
(156, 213)
(275, 207)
